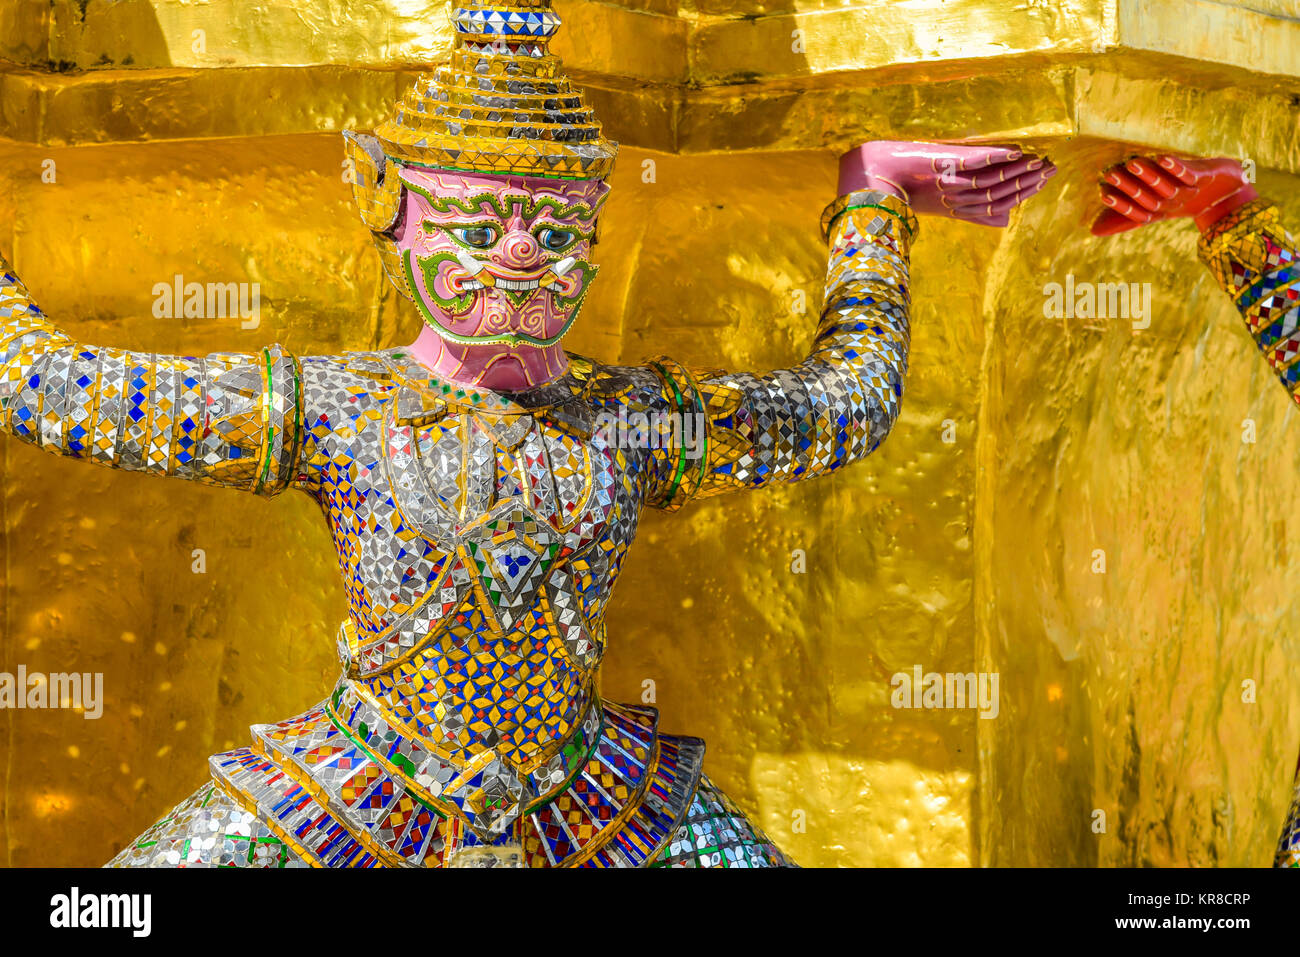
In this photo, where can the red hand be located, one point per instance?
(1149, 189)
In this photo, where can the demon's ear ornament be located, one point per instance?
(376, 186)
(377, 189)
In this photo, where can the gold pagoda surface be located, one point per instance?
(1121, 691)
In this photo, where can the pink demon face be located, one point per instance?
(498, 265)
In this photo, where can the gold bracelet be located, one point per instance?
(874, 199)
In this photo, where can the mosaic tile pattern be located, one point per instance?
(208, 829)
(501, 102)
(716, 834)
(1257, 262)
(479, 538)
(226, 419)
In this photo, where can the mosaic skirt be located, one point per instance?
(208, 829)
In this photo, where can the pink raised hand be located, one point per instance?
(1148, 189)
(978, 184)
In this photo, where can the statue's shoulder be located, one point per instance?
(362, 367)
(352, 381)
(637, 387)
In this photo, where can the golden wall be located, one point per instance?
(215, 155)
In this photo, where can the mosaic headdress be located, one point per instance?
(500, 105)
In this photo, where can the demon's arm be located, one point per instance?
(839, 403)
(227, 419)
(833, 408)
(740, 430)
(1257, 262)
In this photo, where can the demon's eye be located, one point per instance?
(479, 237)
(556, 239)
